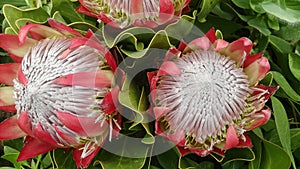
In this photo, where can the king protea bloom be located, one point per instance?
(205, 95)
(61, 87)
(124, 13)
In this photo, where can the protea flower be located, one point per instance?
(62, 89)
(124, 13)
(205, 95)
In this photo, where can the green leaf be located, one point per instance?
(259, 23)
(294, 64)
(257, 149)
(256, 6)
(186, 163)
(282, 12)
(46, 161)
(16, 144)
(283, 127)
(68, 10)
(273, 23)
(274, 157)
(109, 161)
(63, 159)
(13, 14)
(206, 7)
(282, 82)
(13, 2)
(280, 44)
(245, 4)
(289, 31)
(295, 138)
(182, 28)
(240, 154)
(168, 159)
(11, 155)
(130, 96)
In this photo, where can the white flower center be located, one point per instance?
(208, 95)
(41, 98)
(120, 11)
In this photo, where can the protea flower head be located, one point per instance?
(124, 13)
(205, 95)
(61, 88)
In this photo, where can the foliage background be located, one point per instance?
(273, 26)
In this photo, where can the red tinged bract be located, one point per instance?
(206, 95)
(125, 13)
(62, 89)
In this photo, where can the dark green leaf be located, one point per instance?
(168, 159)
(241, 154)
(109, 161)
(206, 7)
(294, 64)
(257, 149)
(282, 82)
(245, 4)
(67, 10)
(283, 127)
(63, 159)
(274, 157)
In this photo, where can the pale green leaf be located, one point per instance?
(282, 12)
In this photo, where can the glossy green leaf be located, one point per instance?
(280, 44)
(109, 160)
(182, 28)
(294, 64)
(241, 154)
(273, 23)
(11, 155)
(282, 82)
(245, 4)
(257, 149)
(13, 2)
(168, 159)
(282, 12)
(283, 127)
(274, 157)
(186, 163)
(68, 10)
(206, 7)
(13, 14)
(289, 31)
(256, 6)
(63, 159)
(260, 24)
